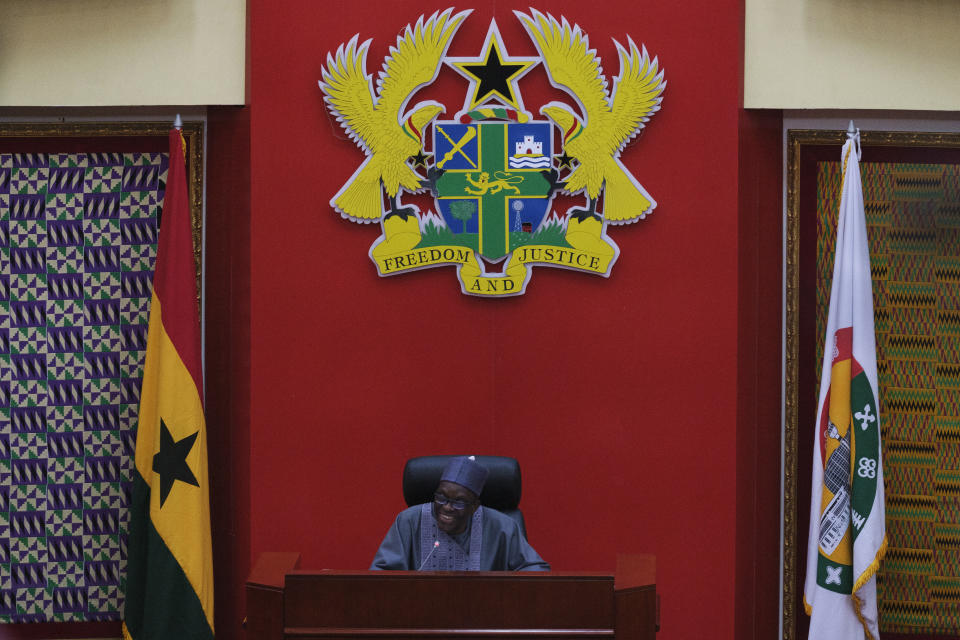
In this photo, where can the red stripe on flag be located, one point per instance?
(174, 278)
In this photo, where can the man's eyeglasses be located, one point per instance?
(442, 500)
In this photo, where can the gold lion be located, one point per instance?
(503, 182)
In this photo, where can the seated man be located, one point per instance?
(455, 533)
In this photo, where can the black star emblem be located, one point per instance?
(564, 161)
(420, 160)
(170, 463)
(493, 74)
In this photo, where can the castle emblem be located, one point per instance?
(528, 154)
(493, 169)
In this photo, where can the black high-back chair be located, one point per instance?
(501, 490)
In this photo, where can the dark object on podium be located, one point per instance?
(283, 602)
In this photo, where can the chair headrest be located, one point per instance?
(501, 491)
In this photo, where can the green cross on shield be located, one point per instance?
(475, 159)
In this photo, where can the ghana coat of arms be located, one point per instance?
(493, 169)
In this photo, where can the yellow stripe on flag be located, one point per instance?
(169, 391)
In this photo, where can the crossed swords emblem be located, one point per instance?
(458, 146)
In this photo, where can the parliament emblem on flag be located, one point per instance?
(849, 493)
(494, 169)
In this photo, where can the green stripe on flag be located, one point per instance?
(148, 603)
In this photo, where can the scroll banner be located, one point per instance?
(472, 278)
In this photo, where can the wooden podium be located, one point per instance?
(284, 602)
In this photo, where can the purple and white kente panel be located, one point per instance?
(77, 246)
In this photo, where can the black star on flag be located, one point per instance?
(493, 75)
(170, 463)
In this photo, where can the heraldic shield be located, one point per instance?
(493, 170)
(493, 194)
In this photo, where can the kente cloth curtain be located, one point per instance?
(913, 224)
(77, 245)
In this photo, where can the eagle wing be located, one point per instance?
(414, 62)
(349, 92)
(569, 61)
(637, 93)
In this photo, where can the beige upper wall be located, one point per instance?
(852, 54)
(800, 54)
(121, 52)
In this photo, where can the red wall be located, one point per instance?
(619, 396)
(227, 344)
(759, 365)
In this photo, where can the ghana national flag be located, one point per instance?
(169, 590)
(847, 531)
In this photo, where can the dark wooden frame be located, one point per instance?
(94, 137)
(805, 148)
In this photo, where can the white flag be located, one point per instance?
(847, 529)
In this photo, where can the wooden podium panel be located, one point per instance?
(284, 602)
